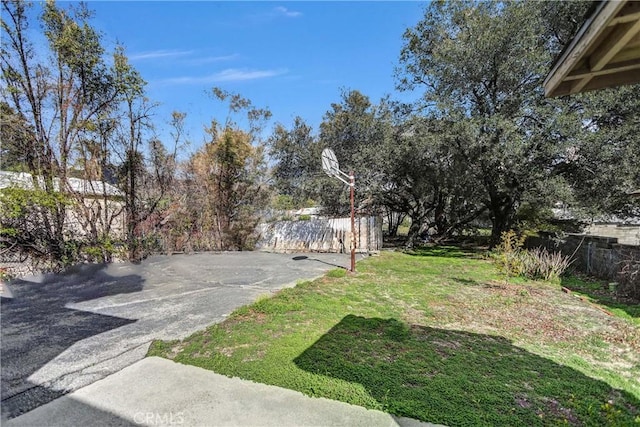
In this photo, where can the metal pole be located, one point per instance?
(352, 185)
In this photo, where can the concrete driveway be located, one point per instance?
(63, 332)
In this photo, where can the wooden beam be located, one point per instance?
(618, 79)
(580, 44)
(616, 41)
(607, 50)
(562, 89)
(624, 19)
(579, 85)
(609, 69)
(626, 55)
(630, 12)
(599, 82)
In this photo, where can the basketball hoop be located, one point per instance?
(329, 162)
(331, 168)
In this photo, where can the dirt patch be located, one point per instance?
(410, 314)
(203, 355)
(452, 345)
(444, 348)
(258, 356)
(171, 354)
(250, 316)
(558, 412)
(228, 351)
(545, 315)
(522, 400)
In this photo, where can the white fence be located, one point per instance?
(321, 235)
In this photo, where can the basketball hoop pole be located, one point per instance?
(352, 185)
(331, 168)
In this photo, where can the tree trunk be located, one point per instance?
(414, 231)
(393, 222)
(502, 214)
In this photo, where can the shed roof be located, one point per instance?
(604, 53)
(85, 187)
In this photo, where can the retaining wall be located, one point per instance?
(627, 234)
(602, 257)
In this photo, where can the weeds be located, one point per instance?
(542, 264)
(512, 260)
(629, 276)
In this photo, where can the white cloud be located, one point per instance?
(281, 10)
(270, 15)
(228, 75)
(159, 54)
(210, 59)
(232, 74)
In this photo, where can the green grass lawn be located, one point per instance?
(436, 335)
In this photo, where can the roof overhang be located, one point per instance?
(604, 53)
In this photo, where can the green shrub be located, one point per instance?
(4, 274)
(507, 256)
(304, 217)
(283, 202)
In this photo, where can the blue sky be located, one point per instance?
(292, 57)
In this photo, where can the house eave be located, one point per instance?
(604, 53)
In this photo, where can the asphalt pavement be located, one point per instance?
(61, 333)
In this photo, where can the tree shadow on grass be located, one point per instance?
(466, 282)
(462, 378)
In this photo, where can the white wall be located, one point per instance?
(626, 234)
(321, 235)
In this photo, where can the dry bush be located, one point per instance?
(512, 260)
(629, 276)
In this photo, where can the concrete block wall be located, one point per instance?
(626, 234)
(599, 256)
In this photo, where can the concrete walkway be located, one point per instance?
(159, 392)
